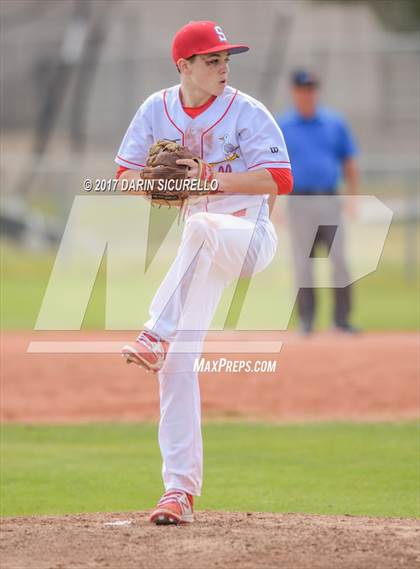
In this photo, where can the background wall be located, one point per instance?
(73, 73)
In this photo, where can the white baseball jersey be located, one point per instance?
(236, 133)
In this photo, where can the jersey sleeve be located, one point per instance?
(347, 147)
(260, 138)
(137, 140)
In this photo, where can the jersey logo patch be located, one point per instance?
(274, 149)
(228, 149)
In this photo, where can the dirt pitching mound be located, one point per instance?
(214, 540)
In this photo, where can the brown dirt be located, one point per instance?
(215, 541)
(326, 377)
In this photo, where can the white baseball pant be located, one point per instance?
(215, 249)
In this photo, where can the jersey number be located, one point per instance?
(227, 169)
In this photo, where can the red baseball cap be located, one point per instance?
(199, 38)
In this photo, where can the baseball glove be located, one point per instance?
(169, 184)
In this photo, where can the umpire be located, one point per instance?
(322, 152)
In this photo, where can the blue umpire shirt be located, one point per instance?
(317, 149)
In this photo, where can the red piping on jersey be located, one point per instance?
(272, 162)
(170, 120)
(128, 161)
(217, 122)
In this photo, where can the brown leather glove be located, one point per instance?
(171, 185)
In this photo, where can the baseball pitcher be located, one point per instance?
(206, 131)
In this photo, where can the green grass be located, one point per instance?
(383, 300)
(358, 469)
(24, 280)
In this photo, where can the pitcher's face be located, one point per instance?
(209, 72)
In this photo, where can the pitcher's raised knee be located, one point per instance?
(201, 226)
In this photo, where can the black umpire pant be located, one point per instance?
(303, 217)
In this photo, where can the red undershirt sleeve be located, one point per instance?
(283, 178)
(120, 170)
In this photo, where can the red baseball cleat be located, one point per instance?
(148, 351)
(175, 507)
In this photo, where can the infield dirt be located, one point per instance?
(328, 377)
(367, 377)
